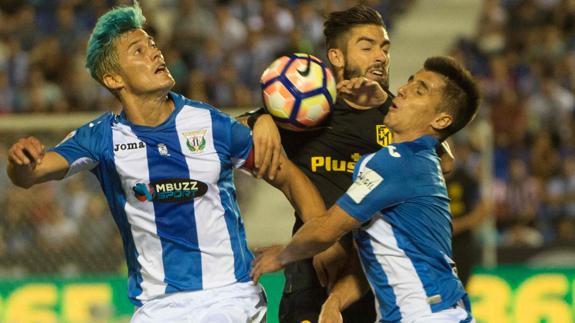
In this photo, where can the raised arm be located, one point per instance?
(267, 142)
(29, 163)
(298, 189)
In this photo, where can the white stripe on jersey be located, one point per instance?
(132, 166)
(217, 259)
(81, 164)
(400, 271)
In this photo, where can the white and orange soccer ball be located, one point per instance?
(298, 91)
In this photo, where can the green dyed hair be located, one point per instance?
(101, 55)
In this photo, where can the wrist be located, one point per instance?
(333, 301)
(252, 119)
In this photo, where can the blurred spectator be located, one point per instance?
(468, 210)
(524, 54)
(516, 207)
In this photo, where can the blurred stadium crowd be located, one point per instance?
(524, 56)
(523, 53)
(216, 49)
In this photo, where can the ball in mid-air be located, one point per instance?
(298, 91)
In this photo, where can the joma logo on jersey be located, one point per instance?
(170, 190)
(130, 146)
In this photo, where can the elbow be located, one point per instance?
(24, 185)
(20, 182)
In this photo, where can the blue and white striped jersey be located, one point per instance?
(399, 195)
(170, 189)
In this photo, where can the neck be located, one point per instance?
(147, 110)
(399, 137)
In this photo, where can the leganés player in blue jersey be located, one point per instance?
(165, 165)
(399, 208)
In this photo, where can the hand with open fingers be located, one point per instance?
(330, 312)
(361, 93)
(268, 147)
(26, 152)
(329, 263)
(266, 261)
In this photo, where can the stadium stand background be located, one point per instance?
(523, 53)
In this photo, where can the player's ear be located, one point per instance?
(442, 121)
(113, 81)
(336, 57)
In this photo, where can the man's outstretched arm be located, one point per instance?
(316, 235)
(29, 163)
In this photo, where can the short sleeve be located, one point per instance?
(80, 147)
(380, 183)
(241, 143)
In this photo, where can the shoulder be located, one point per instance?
(405, 156)
(191, 107)
(186, 103)
(422, 146)
(90, 136)
(97, 127)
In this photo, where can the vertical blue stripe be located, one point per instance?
(387, 300)
(175, 222)
(222, 139)
(112, 186)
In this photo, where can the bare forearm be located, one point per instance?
(22, 176)
(299, 191)
(307, 242)
(28, 176)
(351, 286)
(29, 163)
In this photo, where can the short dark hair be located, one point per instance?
(461, 94)
(340, 22)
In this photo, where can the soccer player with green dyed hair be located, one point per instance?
(102, 57)
(165, 164)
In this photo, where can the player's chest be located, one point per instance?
(190, 153)
(360, 130)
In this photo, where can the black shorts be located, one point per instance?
(303, 297)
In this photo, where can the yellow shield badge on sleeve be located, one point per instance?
(383, 135)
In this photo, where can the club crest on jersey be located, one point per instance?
(383, 135)
(170, 190)
(163, 150)
(196, 140)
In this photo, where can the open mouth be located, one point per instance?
(378, 73)
(161, 69)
